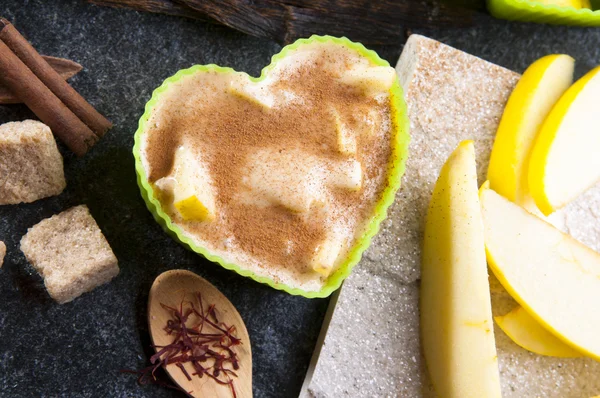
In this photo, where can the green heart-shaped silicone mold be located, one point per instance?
(532, 11)
(399, 143)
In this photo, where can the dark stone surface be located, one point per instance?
(76, 350)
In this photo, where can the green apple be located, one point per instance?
(549, 273)
(456, 313)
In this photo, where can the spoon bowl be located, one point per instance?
(174, 287)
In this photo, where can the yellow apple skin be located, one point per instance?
(540, 87)
(555, 278)
(542, 84)
(564, 161)
(456, 315)
(530, 335)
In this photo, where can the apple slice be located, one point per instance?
(564, 160)
(188, 187)
(346, 175)
(372, 79)
(553, 276)
(346, 138)
(192, 208)
(327, 253)
(540, 87)
(258, 93)
(456, 312)
(542, 84)
(530, 335)
(325, 256)
(295, 179)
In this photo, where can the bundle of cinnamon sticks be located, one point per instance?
(34, 82)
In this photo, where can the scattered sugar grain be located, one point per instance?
(365, 362)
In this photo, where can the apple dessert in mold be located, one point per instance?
(279, 175)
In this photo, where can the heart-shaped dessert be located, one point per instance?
(283, 178)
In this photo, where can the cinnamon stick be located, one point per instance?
(15, 75)
(34, 61)
(64, 67)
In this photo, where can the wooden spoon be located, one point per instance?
(170, 288)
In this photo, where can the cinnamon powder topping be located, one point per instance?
(201, 112)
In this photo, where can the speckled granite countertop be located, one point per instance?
(76, 350)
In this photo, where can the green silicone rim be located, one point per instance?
(531, 11)
(400, 140)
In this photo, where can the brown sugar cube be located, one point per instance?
(2, 252)
(31, 167)
(70, 253)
